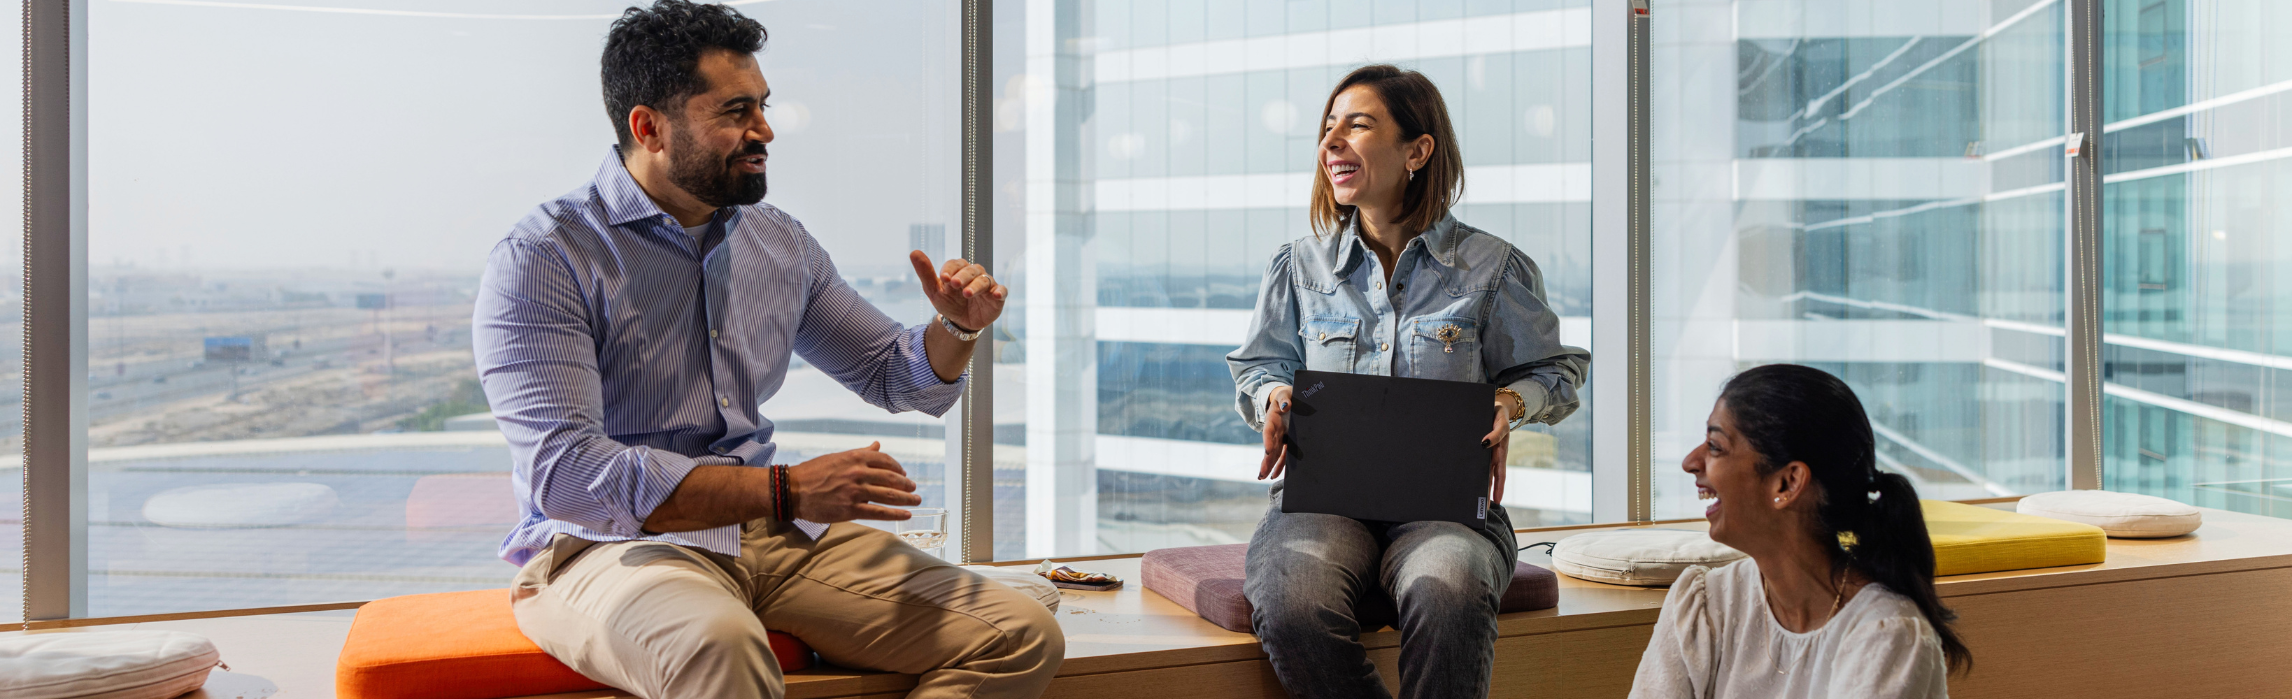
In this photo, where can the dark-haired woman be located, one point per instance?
(1787, 462)
(1389, 284)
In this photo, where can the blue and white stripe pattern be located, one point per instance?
(614, 354)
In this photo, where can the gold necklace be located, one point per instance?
(1837, 602)
(1837, 594)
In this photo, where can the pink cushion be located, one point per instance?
(1207, 580)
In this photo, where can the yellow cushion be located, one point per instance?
(1975, 539)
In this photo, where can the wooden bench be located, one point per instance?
(2202, 615)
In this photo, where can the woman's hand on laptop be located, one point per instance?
(1499, 443)
(1276, 434)
(847, 485)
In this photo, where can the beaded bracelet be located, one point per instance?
(778, 512)
(780, 494)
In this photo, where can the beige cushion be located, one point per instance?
(104, 664)
(1024, 580)
(2121, 515)
(1642, 557)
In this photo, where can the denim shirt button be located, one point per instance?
(1384, 346)
(1324, 336)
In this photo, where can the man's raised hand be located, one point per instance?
(849, 485)
(960, 290)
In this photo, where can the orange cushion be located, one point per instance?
(465, 645)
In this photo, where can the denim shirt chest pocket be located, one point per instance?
(1329, 342)
(1445, 347)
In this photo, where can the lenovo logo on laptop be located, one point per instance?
(1483, 508)
(1308, 393)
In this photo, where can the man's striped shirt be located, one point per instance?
(616, 353)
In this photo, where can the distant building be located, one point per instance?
(1169, 151)
(931, 238)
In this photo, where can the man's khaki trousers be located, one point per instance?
(666, 621)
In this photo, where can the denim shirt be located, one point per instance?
(1463, 305)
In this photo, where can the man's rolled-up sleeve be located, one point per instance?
(863, 349)
(536, 357)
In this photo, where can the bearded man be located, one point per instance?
(626, 334)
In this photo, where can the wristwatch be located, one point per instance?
(957, 330)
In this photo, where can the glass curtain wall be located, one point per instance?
(1150, 158)
(2198, 233)
(290, 211)
(1874, 188)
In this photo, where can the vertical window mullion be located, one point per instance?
(1621, 483)
(2082, 280)
(55, 310)
(976, 498)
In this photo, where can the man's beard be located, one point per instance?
(711, 179)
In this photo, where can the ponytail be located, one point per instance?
(1871, 518)
(1892, 547)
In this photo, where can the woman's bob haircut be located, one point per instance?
(1417, 109)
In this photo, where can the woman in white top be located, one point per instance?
(1787, 461)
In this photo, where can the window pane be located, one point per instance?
(2195, 232)
(1871, 190)
(1144, 181)
(12, 321)
(290, 212)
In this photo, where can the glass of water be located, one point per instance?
(926, 530)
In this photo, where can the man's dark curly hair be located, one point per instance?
(652, 56)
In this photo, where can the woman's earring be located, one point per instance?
(1412, 175)
(1778, 500)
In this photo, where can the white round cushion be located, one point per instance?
(2122, 515)
(106, 664)
(241, 505)
(1642, 557)
(1022, 579)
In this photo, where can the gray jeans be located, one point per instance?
(1315, 582)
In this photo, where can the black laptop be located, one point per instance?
(1389, 449)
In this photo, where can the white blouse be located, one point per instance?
(1716, 638)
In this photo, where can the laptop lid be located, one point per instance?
(1389, 449)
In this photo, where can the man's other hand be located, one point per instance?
(849, 485)
(960, 290)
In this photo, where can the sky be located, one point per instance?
(261, 135)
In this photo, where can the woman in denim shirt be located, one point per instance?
(1389, 284)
